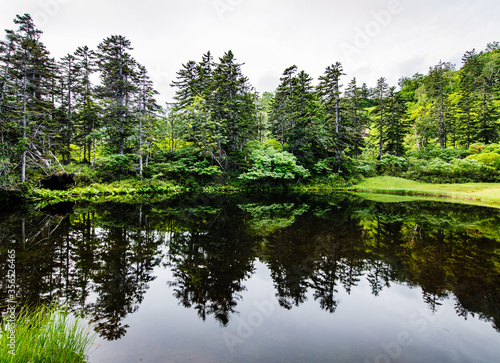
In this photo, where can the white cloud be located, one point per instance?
(270, 35)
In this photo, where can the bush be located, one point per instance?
(436, 152)
(492, 148)
(366, 168)
(488, 158)
(392, 165)
(271, 164)
(115, 167)
(456, 171)
(186, 166)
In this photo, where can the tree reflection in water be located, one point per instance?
(101, 258)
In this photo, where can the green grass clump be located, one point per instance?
(47, 335)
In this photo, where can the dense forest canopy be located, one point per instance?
(94, 111)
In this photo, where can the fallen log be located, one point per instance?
(58, 181)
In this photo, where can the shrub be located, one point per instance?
(392, 165)
(268, 163)
(186, 166)
(488, 158)
(115, 167)
(432, 152)
(456, 171)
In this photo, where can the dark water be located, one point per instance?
(268, 279)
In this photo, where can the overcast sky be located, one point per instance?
(371, 38)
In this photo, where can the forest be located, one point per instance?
(94, 114)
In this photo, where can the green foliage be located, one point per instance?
(392, 165)
(435, 152)
(115, 167)
(267, 219)
(490, 158)
(186, 166)
(456, 171)
(365, 167)
(268, 163)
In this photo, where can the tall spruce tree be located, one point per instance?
(396, 123)
(146, 107)
(487, 90)
(468, 82)
(329, 89)
(88, 120)
(380, 95)
(117, 69)
(438, 87)
(295, 111)
(355, 117)
(68, 83)
(32, 74)
(232, 104)
(282, 112)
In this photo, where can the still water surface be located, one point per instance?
(289, 278)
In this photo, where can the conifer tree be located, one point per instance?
(396, 123)
(438, 88)
(88, 120)
(329, 91)
(146, 107)
(232, 105)
(32, 75)
(380, 94)
(68, 83)
(117, 69)
(355, 117)
(468, 82)
(487, 90)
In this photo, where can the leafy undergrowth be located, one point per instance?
(484, 192)
(123, 189)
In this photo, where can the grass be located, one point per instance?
(481, 193)
(46, 335)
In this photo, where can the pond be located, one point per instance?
(267, 278)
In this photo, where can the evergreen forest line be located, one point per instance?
(442, 126)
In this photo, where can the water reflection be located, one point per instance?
(101, 258)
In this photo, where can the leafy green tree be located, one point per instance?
(262, 105)
(418, 106)
(270, 163)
